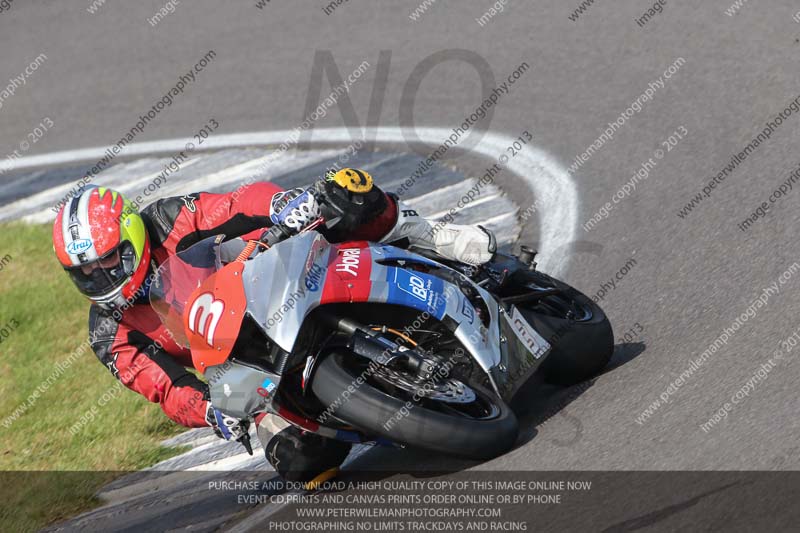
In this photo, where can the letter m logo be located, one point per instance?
(204, 316)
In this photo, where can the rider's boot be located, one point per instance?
(473, 245)
(297, 455)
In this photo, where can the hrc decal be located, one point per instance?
(350, 261)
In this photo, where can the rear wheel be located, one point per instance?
(576, 327)
(454, 418)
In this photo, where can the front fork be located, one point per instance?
(372, 345)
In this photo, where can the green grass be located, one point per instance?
(52, 324)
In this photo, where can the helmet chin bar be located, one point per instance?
(113, 301)
(128, 258)
(117, 300)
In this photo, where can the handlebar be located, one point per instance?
(278, 233)
(274, 235)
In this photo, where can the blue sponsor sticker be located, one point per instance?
(467, 310)
(417, 290)
(314, 277)
(79, 246)
(266, 388)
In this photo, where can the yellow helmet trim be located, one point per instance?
(132, 229)
(101, 191)
(352, 179)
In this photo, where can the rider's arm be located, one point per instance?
(377, 229)
(241, 213)
(353, 208)
(139, 364)
(177, 223)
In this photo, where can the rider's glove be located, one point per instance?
(348, 200)
(226, 427)
(294, 209)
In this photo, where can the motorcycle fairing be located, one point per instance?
(231, 386)
(284, 284)
(213, 317)
(338, 434)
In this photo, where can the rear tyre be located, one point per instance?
(422, 426)
(582, 344)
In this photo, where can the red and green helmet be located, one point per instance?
(101, 241)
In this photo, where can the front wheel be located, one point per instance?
(480, 429)
(576, 327)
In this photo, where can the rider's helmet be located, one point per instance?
(101, 241)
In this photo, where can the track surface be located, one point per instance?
(692, 277)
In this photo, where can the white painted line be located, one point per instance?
(547, 180)
(482, 200)
(243, 170)
(257, 461)
(496, 219)
(444, 191)
(44, 200)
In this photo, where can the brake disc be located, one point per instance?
(446, 390)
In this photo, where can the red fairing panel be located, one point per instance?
(349, 269)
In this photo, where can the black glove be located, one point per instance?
(348, 199)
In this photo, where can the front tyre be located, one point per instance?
(481, 431)
(576, 327)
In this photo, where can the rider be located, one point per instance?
(110, 252)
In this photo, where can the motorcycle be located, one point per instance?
(370, 343)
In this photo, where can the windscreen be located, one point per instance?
(178, 277)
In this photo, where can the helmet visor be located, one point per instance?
(102, 276)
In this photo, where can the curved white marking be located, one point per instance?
(545, 177)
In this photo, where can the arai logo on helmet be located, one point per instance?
(79, 246)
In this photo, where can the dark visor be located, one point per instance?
(102, 279)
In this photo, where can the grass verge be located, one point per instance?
(43, 320)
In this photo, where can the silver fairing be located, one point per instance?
(231, 386)
(284, 284)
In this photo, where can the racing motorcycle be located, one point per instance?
(370, 343)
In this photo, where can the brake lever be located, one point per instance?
(273, 236)
(314, 225)
(244, 440)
